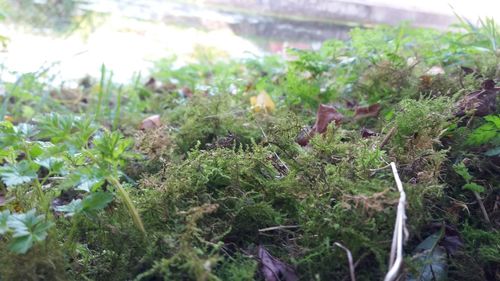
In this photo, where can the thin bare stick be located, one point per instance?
(349, 259)
(388, 137)
(481, 205)
(278, 227)
(400, 231)
(363, 256)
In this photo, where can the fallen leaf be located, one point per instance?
(488, 84)
(468, 71)
(262, 102)
(430, 260)
(326, 114)
(482, 102)
(366, 111)
(273, 269)
(151, 122)
(367, 133)
(451, 240)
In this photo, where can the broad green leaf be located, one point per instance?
(74, 207)
(430, 260)
(26, 131)
(27, 228)
(21, 244)
(53, 164)
(474, 187)
(97, 201)
(86, 179)
(18, 173)
(92, 203)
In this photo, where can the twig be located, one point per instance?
(400, 231)
(349, 259)
(363, 256)
(374, 171)
(481, 205)
(278, 227)
(387, 137)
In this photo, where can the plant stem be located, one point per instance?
(128, 203)
(101, 92)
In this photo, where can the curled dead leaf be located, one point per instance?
(326, 114)
(151, 122)
(481, 103)
(367, 111)
(367, 133)
(273, 269)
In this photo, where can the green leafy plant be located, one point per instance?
(488, 133)
(25, 229)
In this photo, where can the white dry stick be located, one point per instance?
(349, 258)
(400, 231)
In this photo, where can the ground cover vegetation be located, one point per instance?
(253, 169)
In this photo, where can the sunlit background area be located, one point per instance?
(72, 39)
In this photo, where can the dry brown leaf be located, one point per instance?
(367, 111)
(367, 133)
(481, 103)
(326, 114)
(151, 122)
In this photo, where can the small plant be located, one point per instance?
(25, 229)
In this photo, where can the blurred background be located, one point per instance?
(70, 39)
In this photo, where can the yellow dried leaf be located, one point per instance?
(262, 102)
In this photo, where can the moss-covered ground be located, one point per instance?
(260, 156)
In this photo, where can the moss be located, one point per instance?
(216, 172)
(44, 262)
